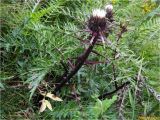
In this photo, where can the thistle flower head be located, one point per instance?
(109, 12)
(97, 21)
(109, 8)
(99, 13)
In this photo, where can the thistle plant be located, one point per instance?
(69, 60)
(98, 27)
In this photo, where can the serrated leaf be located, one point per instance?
(48, 104)
(43, 106)
(101, 106)
(35, 80)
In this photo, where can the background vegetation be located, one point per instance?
(36, 35)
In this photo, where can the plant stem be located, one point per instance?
(123, 30)
(80, 62)
(103, 96)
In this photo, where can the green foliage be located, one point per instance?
(101, 106)
(37, 36)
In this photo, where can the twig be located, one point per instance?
(95, 52)
(121, 101)
(123, 30)
(103, 96)
(87, 62)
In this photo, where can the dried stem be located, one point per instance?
(103, 96)
(121, 102)
(80, 62)
(123, 30)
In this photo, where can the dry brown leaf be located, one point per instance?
(43, 93)
(43, 106)
(53, 97)
(48, 104)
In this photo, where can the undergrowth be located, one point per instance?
(38, 36)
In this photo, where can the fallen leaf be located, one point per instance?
(48, 104)
(53, 97)
(44, 94)
(43, 106)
